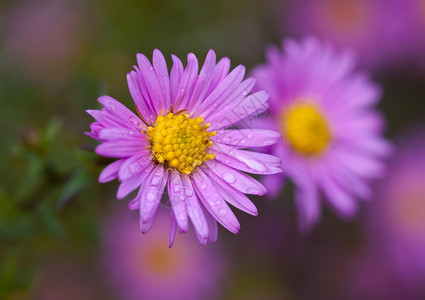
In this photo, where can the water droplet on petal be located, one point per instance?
(229, 178)
(244, 92)
(203, 185)
(250, 135)
(150, 196)
(176, 189)
(189, 192)
(133, 120)
(268, 142)
(243, 141)
(182, 90)
(253, 190)
(131, 132)
(155, 181)
(222, 212)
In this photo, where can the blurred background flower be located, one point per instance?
(58, 57)
(143, 267)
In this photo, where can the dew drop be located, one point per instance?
(182, 90)
(155, 181)
(151, 68)
(222, 212)
(203, 186)
(176, 189)
(150, 196)
(253, 191)
(189, 192)
(244, 92)
(131, 132)
(268, 142)
(229, 178)
(133, 120)
(243, 142)
(250, 135)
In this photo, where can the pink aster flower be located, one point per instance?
(331, 133)
(398, 217)
(180, 139)
(139, 267)
(372, 28)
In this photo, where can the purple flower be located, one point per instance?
(373, 28)
(398, 217)
(144, 268)
(331, 133)
(180, 139)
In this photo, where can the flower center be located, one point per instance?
(306, 129)
(180, 142)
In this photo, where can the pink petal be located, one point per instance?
(161, 70)
(140, 95)
(114, 134)
(214, 203)
(233, 196)
(236, 179)
(194, 210)
(220, 72)
(187, 83)
(173, 229)
(204, 80)
(111, 171)
(119, 150)
(152, 83)
(243, 138)
(178, 200)
(175, 77)
(151, 192)
(134, 165)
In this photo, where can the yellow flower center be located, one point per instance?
(180, 142)
(305, 129)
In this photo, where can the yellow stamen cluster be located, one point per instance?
(180, 142)
(305, 129)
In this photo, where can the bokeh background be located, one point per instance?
(65, 236)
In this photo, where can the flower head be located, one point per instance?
(372, 28)
(331, 132)
(398, 215)
(179, 139)
(144, 268)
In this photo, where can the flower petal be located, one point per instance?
(243, 138)
(194, 211)
(204, 80)
(140, 95)
(173, 229)
(236, 179)
(161, 70)
(233, 196)
(119, 150)
(114, 134)
(214, 203)
(308, 205)
(175, 77)
(178, 200)
(252, 105)
(134, 165)
(187, 83)
(152, 83)
(111, 171)
(342, 203)
(151, 192)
